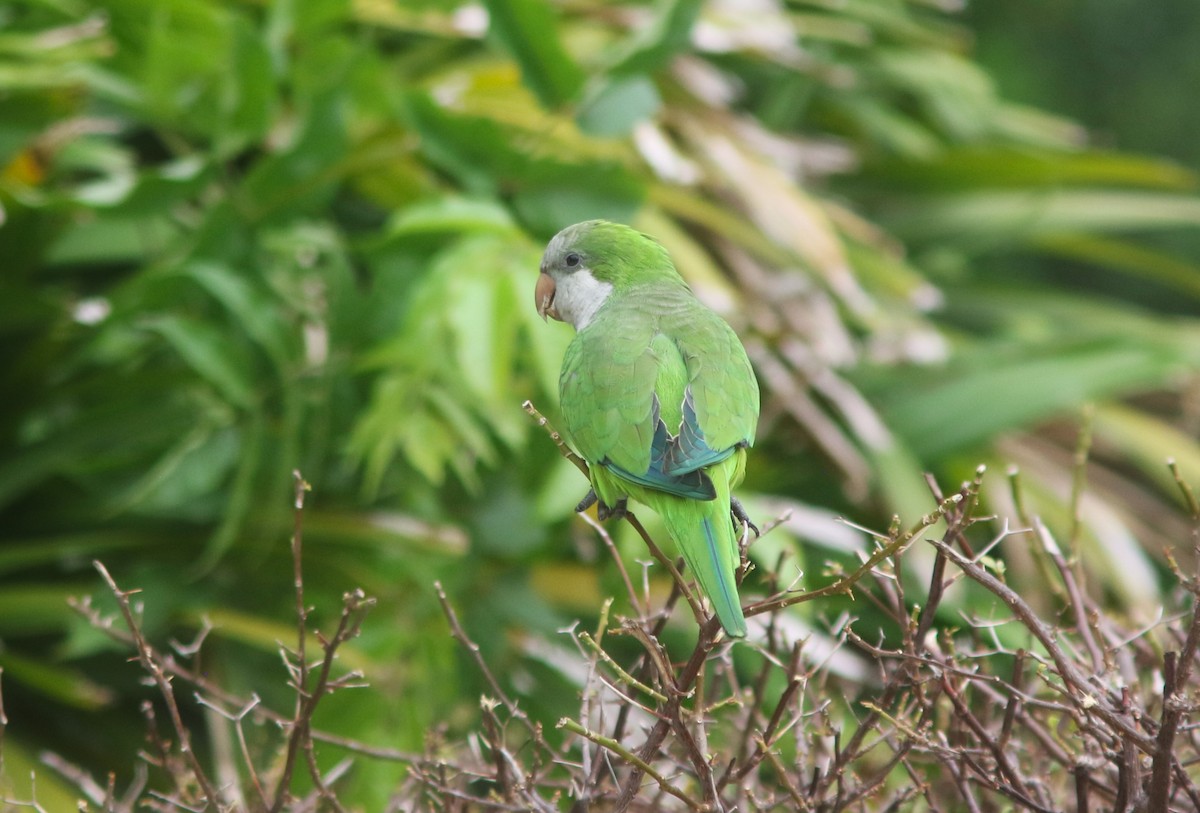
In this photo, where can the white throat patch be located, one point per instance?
(578, 296)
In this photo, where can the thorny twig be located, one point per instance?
(910, 696)
(309, 681)
(152, 664)
(948, 700)
(215, 691)
(1000, 712)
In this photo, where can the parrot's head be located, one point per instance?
(585, 263)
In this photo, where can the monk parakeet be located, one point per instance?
(656, 392)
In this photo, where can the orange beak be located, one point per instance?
(543, 296)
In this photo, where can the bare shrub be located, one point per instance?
(959, 710)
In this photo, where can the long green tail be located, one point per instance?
(723, 593)
(703, 532)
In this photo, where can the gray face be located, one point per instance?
(566, 288)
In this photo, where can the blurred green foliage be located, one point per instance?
(244, 238)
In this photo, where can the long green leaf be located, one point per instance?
(529, 31)
(987, 396)
(1005, 216)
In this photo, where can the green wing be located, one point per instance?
(721, 384)
(606, 392)
(657, 390)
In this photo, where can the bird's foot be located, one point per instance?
(603, 510)
(618, 511)
(587, 502)
(739, 513)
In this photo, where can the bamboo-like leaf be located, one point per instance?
(18, 554)
(37, 609)
(1001, 217)
(1149, 443)
(451, 216)
(210, 353)
(1136, 261)
(990, 395)
(251, 459)
(618, 105)
(970, 167)
(528, 29)
(474, 149)
(654, 44)
(252, 310)
(55, 682)
(955, 93)
(555, 195)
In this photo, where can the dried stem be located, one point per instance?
(151, 662)
(632, 758)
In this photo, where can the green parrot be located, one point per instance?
(657, 395)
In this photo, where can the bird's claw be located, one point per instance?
(739, 513)
(618, 511)
(587, 502)
(603, 510)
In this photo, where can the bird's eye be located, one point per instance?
(572, 260)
